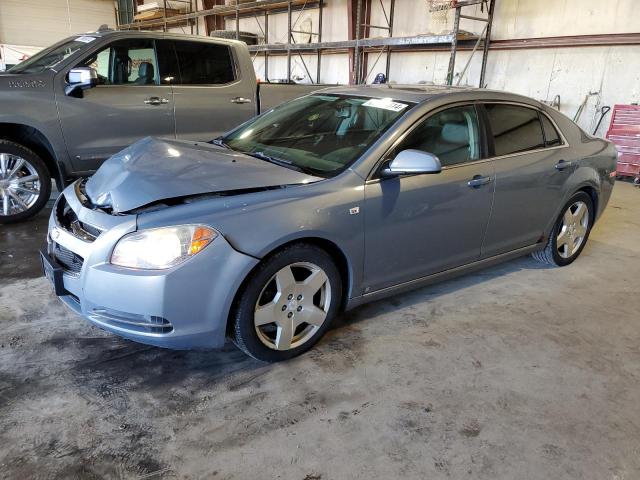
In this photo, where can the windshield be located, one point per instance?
(50, 57)
(321, 134)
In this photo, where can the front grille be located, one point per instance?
(70, 261)
(68, 220)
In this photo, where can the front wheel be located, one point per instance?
(287, 304)
(570, 232)
(25, 183)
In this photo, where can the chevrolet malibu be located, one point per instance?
(334, 199)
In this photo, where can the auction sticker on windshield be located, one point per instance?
(85, 39)
(386, 104)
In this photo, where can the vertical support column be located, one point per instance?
(391, 11)
(357, 52)
(487, 40)
(289, 37)
(164, 16)
(319, 52)
(237, 19)
(454, 47)
(266, 40)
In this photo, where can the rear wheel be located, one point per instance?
(287, 304)
(25, 183)
(570, 232)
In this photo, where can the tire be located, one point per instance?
(270, 292)
(11, 192)
(557, 252)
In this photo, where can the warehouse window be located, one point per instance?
(551, 135)
(515, 129)
(204, 63)
(451, 135)
(125, 62)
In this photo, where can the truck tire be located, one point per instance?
(25, 182)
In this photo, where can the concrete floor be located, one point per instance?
(516, 372)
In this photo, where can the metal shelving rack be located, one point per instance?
(360, 44)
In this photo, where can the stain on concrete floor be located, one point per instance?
(518, 371)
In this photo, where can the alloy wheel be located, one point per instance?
(573, 229)
(19, 185)
(292, 306)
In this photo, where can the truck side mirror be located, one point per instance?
(79, 79)
(412, 162)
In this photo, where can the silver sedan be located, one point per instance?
(338, 198)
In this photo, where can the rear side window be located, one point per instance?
(203, 63)
(551, 135)
(515, 129)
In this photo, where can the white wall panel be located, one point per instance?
(41, 23)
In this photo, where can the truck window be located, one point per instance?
(204, 63)
(125, 62)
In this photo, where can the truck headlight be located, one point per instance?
(159, 248)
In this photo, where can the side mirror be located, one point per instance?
(412, 162)
(79, 79)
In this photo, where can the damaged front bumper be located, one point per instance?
(186, 306)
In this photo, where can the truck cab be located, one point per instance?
(73, 105)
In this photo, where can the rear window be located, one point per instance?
(515, 129)
(203, 63)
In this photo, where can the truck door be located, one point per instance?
(212, 93)
(128, 103)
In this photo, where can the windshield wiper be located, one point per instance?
(220, 143)
(283, 163)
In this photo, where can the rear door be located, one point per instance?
(211, 96)
(128, 104)
(417, 225)
(532, 166)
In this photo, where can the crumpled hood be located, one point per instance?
(157, 169)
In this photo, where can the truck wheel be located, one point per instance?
(25, 183)
(287, 304)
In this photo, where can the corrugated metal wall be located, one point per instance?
(43, 22)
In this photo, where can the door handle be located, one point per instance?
(240, 100)
(155, 101)
(561, 165)
(478, 181)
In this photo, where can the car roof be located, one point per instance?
(423, 93)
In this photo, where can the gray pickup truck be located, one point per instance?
(73, 105)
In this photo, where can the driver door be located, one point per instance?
(127, 104)
(417, 225)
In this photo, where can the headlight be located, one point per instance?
(158, 248)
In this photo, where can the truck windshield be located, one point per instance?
(322, 134)
(50, 57)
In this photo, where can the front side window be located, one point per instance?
(323, 134)
(204, 63)
(125, 62)
(515, 129)
(451, 135)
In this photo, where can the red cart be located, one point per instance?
(624, 131)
